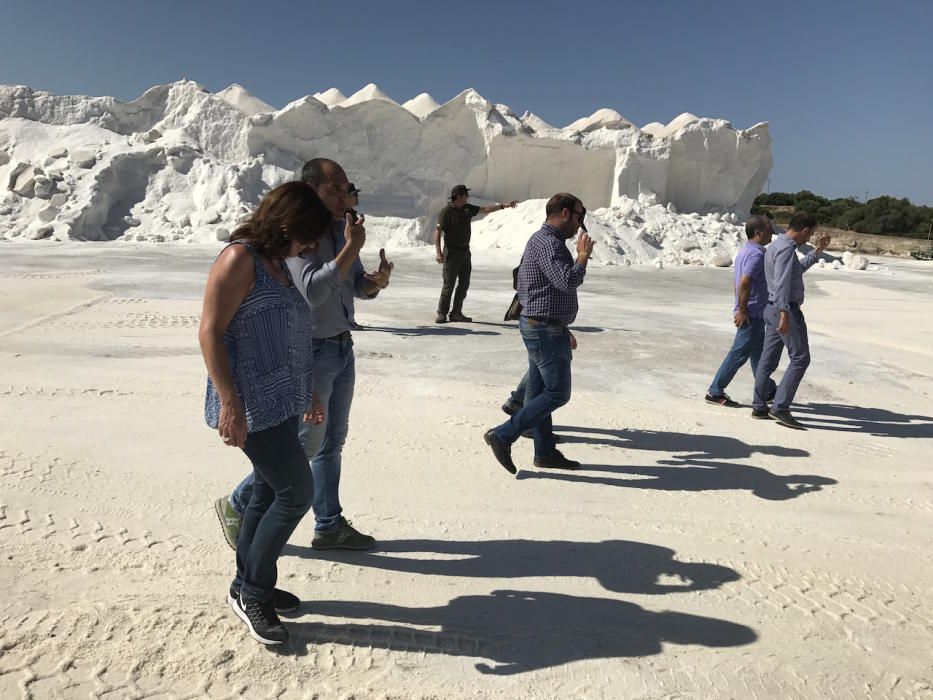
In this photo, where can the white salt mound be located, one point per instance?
(854, 262)
(182, 164)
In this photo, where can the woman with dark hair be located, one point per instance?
(255, 336)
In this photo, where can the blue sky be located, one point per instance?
(846, 86)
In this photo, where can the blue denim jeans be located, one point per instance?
(798, 351)
(517, 398)
(280, 495)
(548, 389)
(333, 377)
(746, 347)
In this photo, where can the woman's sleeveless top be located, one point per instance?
(268, 342)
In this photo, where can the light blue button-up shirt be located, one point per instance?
(318, 279)
(784, 272)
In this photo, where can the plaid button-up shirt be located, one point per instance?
(548, 277)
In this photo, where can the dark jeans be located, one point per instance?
(745, 348)
(798, 350)
(457, 269)
(548, 348)
(282, 491)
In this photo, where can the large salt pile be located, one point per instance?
(182, 164)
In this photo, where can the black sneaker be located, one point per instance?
(530, 434)
(510, 409)
(457, 317)
(556, 461)
(440, 318)
(722, 400)
(260, 618)
(787, 420)
(344, 536)
(761, 413)
(501, 451)
(282, 601)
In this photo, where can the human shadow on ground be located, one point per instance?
(696, 475)
(857, 419)
(695, 446)
(518, 631)
(429, 330)
(619, 565)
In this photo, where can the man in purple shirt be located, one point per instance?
(548, 278)
(751, 297)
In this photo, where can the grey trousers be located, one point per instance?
(798, 351)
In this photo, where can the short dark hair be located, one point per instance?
(292, 211)
(561, 201)
(756, 224)
(801, 220)
(313, 172)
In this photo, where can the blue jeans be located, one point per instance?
(746, 347)
(798, 350)
(517, 398)
(280, 495)
(548, 348)
(333, 377)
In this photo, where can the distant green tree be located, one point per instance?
(881, 215)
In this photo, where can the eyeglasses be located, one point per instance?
(580, 213)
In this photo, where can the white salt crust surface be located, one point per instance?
(185, 165)
(697, 552)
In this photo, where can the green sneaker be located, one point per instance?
(344, 536)
(230, 520)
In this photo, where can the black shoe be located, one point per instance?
(282, 601)
(510, 409)
(457, 317)
(761, 414)
(556, 461)
(723, 400)
(530, 434)
(260, 618)
(440, 318)
(786, 419)
(501, 450)
(772, 393)
(344, 536)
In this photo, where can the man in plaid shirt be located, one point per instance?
(548, 277)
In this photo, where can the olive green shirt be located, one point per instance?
(455, 223)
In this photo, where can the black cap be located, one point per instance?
(352, 189)
(459, 190)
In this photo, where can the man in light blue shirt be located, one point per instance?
(751, 297)
(784, 321)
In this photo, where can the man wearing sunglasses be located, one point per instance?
(548, 278)
(453, 225)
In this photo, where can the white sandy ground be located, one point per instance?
(698, 553)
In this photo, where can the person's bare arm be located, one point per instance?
(229, 281)
(488, 209)
(744, 292)
(438, 253)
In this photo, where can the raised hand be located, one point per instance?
(381, 276)
(355, 232)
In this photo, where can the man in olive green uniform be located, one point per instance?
(454, 225)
